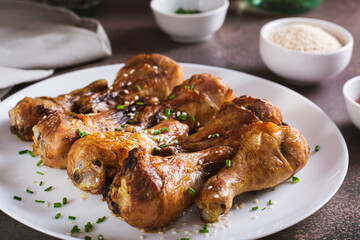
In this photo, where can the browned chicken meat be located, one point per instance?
(228, 125)
(30, 111)
(55, 134)
(151, 191)
(268, 155)
(144, 75)
(95, 158)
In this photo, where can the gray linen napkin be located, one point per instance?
(35, 36)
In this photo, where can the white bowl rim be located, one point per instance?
(223, 7)
(282, 21)
(345, 91)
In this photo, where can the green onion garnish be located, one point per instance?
(64, 200)
(26, 151)
(255, 208)
(117, 129)
(163, 145)
(57, 204)
(164, 129)
(130, 121)
(48, 189)
(122, 125)
(183, 117)
(191, 191)
(72, 113)
(28, 191)
(75, 229)
(154, 150)
(192, 87)
(215, 135)
(184, 238)
(138, 88)
(71, 217)
(88, 227)
(187, 87)
(39, 201)
(100, 237)
(100, 220)
(228, 162)
(273, 189)
(295, 179)
(157, 132)
(88, 114)
(167, 112)
(81, 134)
(205, 226)
(263, 209)
(197, 92)
(270, 202)
(40, 183)
(317, 148)
(204, 231)
(57, 216)
(172, 96)
(139, 103)
(17, 198)
(193, 118)
(118, 107)
(39, 163)
(87, 238)
(159, 140)
(40, 173)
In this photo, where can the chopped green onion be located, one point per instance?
(163, 145)
(204, 231)
(164, 129)
(187, 87)
(88, 227)
(100, 220)
(17, 136)
(270, 202)
(40, 173)
(138, 88)
(295, 179)
(39, 163)
(172, 96)
(81, 134)
(72, 113)
(117, 129)
(228, 162)
(57, 204)
(157, 132)
(41, 183)
(75, 229)
(87, 238)
(122, 125)
(100, 237)
(183, 117)
(273, 189)
(197, 92)
(255, 208)
(17, 198)
(215, 135)
(159, 140)
(88, 114)
(185, 239)
(154, 150)
(263, 209)
(317, 148)
(193, 118)
(167, 112)
(71, 217)
(130, 121)
(48, 189)
(191, 191)
(64, 200)
(139, 103)
(205, 226)
(39, 201)
(28, 191)
(57, 216)
(119, 107)
(26, 151)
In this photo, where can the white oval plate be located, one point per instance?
(319, 180)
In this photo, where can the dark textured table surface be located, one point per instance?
(132, 30)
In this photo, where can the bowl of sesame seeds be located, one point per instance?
(305, 51)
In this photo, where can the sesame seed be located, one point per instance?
(209, 136)
(82, 196)
(160, 232)
(254, 217)
(129, 83)
(197, 225)
(34, 182)
(222, 227)
(270, 207)
(164, 117)
(27, 188)
(142, 236)
(46, 204)
(131, 71)
(206, 234)
(210, 187)
(142, 230)
(242, 205)
(126, 91)
(198, 124)
(178, 114)
(228, 224)
(155, 67)
(256, 201)
(125, 75)
(162, 238)
(184, 113)
(126, 103)
(216, 196)
(136, 97)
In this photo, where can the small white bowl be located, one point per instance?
(190, 28)
(305, 68)
(351, 92)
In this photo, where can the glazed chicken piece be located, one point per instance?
(54, 135)
(143, 76)
(226, 128)
(151, 191)
(268, 155)
(29, 111)
(95, 158)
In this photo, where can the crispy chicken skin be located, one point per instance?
(227, 126)
(151, 191)
(144, 75)
(268, 155)
(29, 111)
(96, 157)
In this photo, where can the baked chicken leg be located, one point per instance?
(268, 155)
(29, 111)
(151, 191)
(94, 158)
